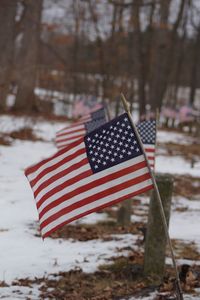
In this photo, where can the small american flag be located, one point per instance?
(147, 132)
(84, 106)
(101, 169)
(85, 125)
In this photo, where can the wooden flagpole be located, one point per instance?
(127, 109)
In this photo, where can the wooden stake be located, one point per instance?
(126, 107)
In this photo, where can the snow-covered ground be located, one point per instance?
(22, 254)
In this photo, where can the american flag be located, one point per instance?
(84, 106)
(78, 129)
(147, 132)
(101, 169)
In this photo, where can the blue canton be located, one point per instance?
(112, 144)
(147, 131)
(98, 118)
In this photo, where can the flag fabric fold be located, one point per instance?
(98, 170)
(78, 129)
(147, 132)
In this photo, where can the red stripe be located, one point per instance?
(57, 165)
(87, 186)
(149, 149)
(95, 197)
(73, 131)
(35, 167)
(70, 138)
(61, 174)
(98, 208)
(60, 187)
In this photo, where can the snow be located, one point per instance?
(22, 254)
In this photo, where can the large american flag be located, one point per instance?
(147, 132)
(101, 169)
(78, 129)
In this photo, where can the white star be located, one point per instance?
(107, 157)
(96, 167)
(104, 163)
(123, 150)
(98, 161)
(104, 150)
(112, 159)
(134, 142)
(120, 130)
(96, 135)
(125, 119)
(137, 149)
(88, 139)
(112, 147)
(123, 124)
(121, 156)
(96, 153)
(129, 153)
(93, 158)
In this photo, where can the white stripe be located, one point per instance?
(91, 178)
(55, 160)
(76, 127)
(96, 204)
(94, 191)
(61, 180)
(63, 167)
(66, 143)
(149, 146)
(60, 138)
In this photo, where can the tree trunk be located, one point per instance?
(7, 22)
(195, 64)
(159, 57)
(28, 56)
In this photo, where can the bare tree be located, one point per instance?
(28, 55)
(7, 22)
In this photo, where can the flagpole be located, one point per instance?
(127, 109)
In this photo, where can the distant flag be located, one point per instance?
(78, 129)
(101, 169)
(85, 106)
(147, 132)
(186, 114)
